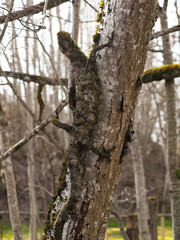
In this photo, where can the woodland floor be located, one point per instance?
(113, 232)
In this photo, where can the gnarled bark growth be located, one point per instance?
(106, 92)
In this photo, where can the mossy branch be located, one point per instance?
(70, 49)
(159, 73)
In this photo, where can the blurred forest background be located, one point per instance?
(27, 49)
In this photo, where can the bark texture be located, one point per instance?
(107, 86)
(172, 137)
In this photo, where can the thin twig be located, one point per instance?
(91, 5)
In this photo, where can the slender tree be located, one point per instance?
(10, 180)
(171, 131)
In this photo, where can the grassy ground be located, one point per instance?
(113, 232)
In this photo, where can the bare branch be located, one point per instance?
(28, 109)
(35, 78)
(39, 26)
(91, 5)
(17, 95)
(159, 73)
(120, 223)
(35, 131)
(6, 21)
(154, 50)
(40, 101)
(31, 10)
(165, 31)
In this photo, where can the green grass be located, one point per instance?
(7, 234)
(113, 232)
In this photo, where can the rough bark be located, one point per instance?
(106, 93)
(172, 137)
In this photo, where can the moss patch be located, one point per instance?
(159, 73)
(70, 49)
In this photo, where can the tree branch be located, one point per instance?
(159, 73)
(70, 49)
(6, 21)
(30, 10)
(120, 223)
(68, 128)
(35, 131)
(165, 31)
(27, 108)
(35, 78)
(91, 6)
(40, 101)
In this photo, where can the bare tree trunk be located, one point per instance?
(32, 192)
(10, 181)
(31, 174)
(75, 31)
(30, 157)
(172, 135)
(141, 198)
(106, 93)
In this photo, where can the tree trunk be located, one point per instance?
(132, 227)
(153, 211)
(75, 31)
(141, 198)
(106, 93)
(31, 175)
(171, 129)
(10, 181)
